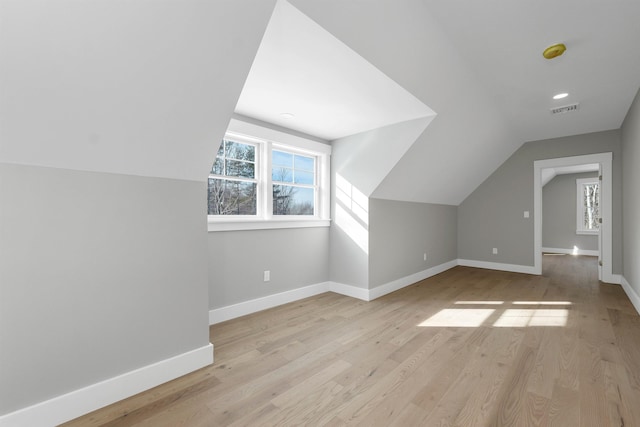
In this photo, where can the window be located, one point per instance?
(293, 178)
(588, 206)
(232, 182)
(258, 182)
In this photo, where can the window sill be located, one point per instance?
(590, 233)
(257, 224)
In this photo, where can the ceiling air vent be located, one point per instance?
(565, 109)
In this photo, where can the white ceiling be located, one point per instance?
(503, 40)
(148, 89)
(302, 69)
(332, 92)
(478, 65)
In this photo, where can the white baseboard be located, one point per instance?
(229, 312)
(349, 290)
(571, 251)
(615, 279)
(631, 293)
(82, 401)
(395, 285)
(515, 268)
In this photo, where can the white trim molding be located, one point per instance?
(350, 291)
(616, 279)
(577, 251)
(395, 285)
(631, 293)
(233, 311)
(82, 401)
(244, 308)
(514, 268)
(254, 224)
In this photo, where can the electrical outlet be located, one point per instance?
(267, 275)
(526, 214)
(425, 256)
(495, 251)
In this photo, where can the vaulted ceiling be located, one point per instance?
(479, 67)
(147, 88)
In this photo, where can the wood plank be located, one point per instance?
(558, 349)
(565, 408)
(478, 410)
(512, 403)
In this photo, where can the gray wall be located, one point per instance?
(348, 263)
(559, 214)
(296, 257)
(492, 216)
(348, 235)
(401, 232)
(100, 274)
(631, 194)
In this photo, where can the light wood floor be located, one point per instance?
(469, 347)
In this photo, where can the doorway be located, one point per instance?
(604, 162)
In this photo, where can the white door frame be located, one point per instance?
(599, 233)
(605, 161)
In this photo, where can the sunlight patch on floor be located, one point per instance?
(479, 302)
(520, 318)
(458, 317)
(541, 303)
(514, 314)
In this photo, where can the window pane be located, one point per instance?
(218, 167)
(221, 149)
(239, 151)
(290, 200)
(280, 158)
(228, 197)
(304, 177)
(239, 168)
(591, 203)
(281, 174)
(304, 163)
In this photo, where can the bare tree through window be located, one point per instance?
(293, 178)
(233, 187)
(238, 184)
(591, 203)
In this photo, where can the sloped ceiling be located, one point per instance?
(502, 42)
(479, 66)
(148, 88)
(328, 89)
(467, 140)
(131, 87)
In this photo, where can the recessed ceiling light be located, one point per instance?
(560, 95)
(287, 115)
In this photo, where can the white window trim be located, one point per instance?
(267, 139)
(579, 206)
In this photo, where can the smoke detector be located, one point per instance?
(554, 51)
(565, 109)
